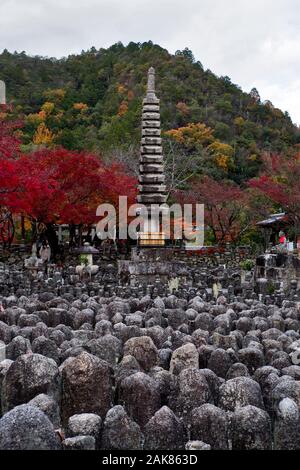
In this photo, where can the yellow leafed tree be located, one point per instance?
(47, 108)
(123, 108)
(55, 95)
(121, 89)
(43, 136)
(192, 134)
(197, 135)
(239, 121)
(36, 118)
(82, 107)
(222, 153)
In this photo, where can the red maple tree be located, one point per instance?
(9, 151)
(224, 207)
(279, 183)
(61, 186)
(9, 143)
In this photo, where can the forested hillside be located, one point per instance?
(92, 101)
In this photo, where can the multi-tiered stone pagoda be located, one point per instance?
(2, 93)
(154, 262)
(152, 189)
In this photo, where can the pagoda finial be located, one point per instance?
(151, 83)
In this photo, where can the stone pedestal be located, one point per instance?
(149, 265)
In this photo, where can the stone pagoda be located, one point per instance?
(151, 262)
(2, 93)
(152, 189)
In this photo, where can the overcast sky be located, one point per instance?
(255, 42)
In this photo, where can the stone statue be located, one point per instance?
(33, 261)
(45, 252)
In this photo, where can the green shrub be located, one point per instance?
(271, 288)
(247, 264)
(83, 259)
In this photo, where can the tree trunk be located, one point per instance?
(52, 238)
(80, 229)
(72, 233)
(33, 231)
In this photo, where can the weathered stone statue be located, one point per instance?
(33, 262)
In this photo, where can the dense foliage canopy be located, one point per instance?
(70, 138)
(92, 102)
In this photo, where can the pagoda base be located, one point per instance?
(148, 265)
(151, 239)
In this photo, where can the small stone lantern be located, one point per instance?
(86, 253)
